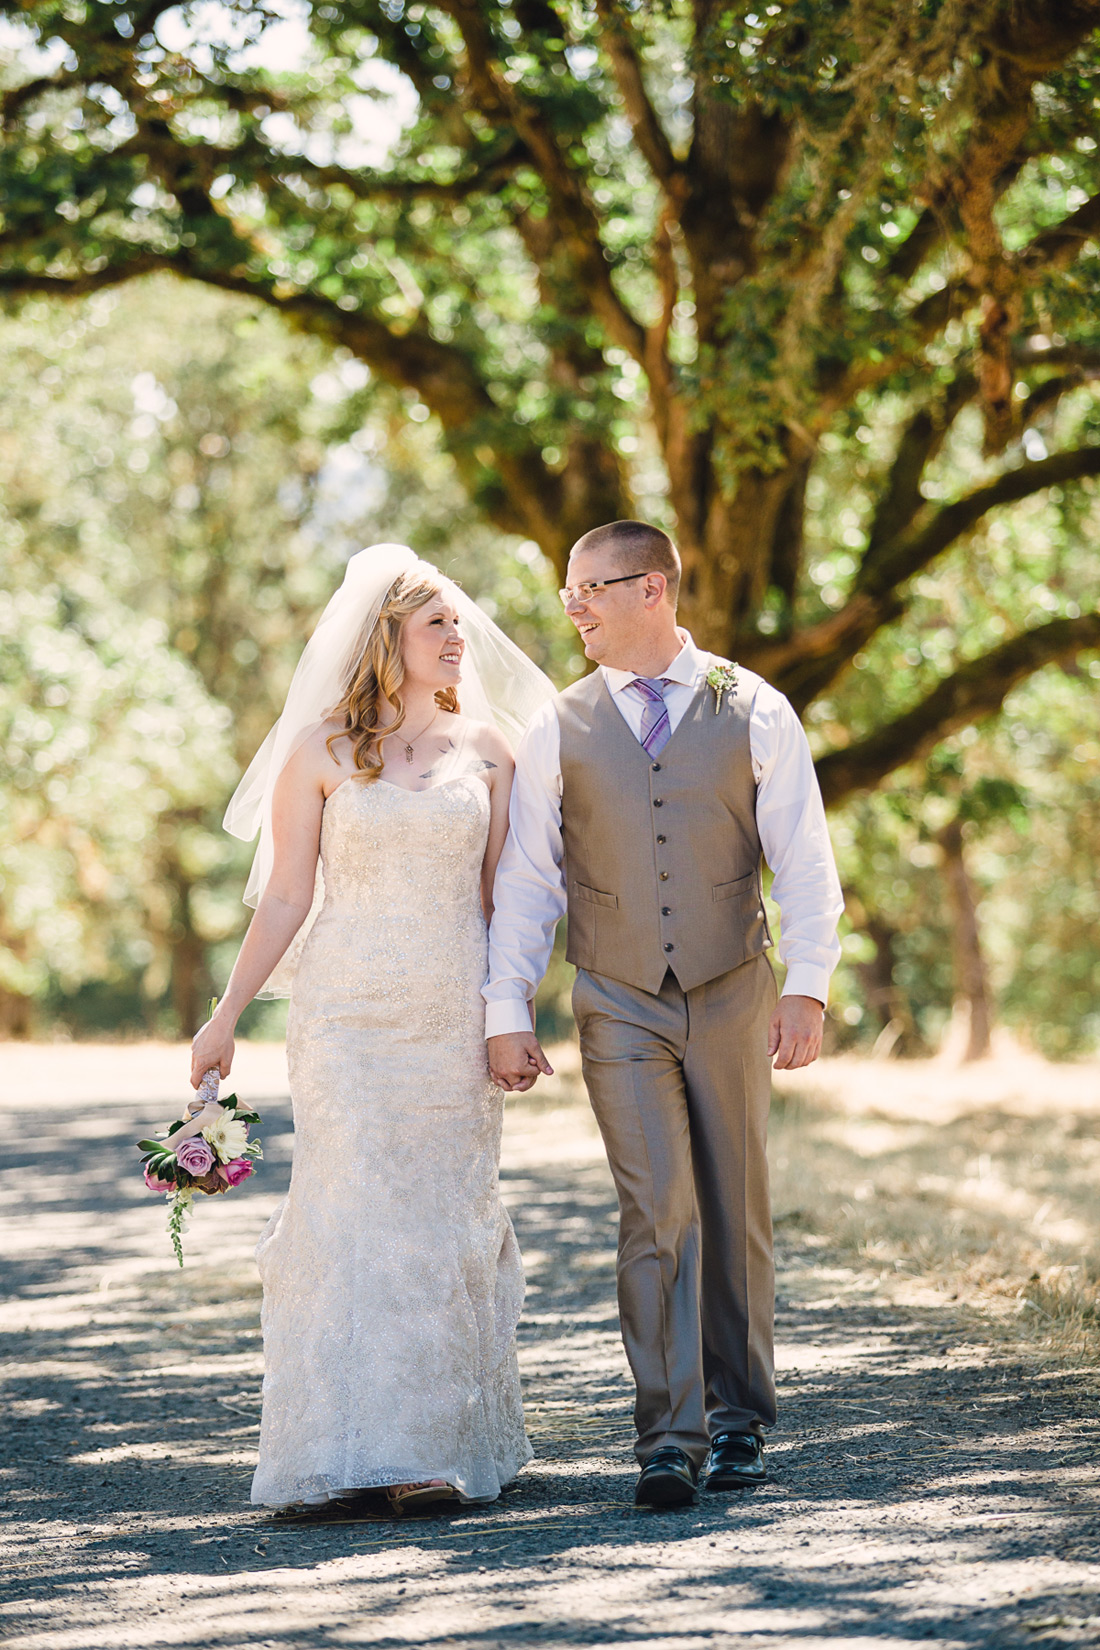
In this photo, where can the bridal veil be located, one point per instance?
(499, 684)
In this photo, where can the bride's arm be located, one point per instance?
(297, 805)
(494, 750)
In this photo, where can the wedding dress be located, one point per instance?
(391, 1274)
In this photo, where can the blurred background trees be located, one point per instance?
(178, 501)
(813, 286)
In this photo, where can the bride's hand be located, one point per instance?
(211, 1046)
(515, 1061)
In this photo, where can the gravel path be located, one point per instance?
(927, 1482)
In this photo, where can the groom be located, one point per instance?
(644, 800)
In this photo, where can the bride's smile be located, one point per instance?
(432, 647)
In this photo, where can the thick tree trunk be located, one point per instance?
(190, 983)
(15, 1015)
(189, 978)
(16, 1009)
(735, 550)
(972, 994)
(884, 999)
(882, 994)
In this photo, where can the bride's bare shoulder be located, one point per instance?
(484, 739)
(315, 755)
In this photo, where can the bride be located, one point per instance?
(392, 1280)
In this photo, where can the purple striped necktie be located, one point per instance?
(656, 730)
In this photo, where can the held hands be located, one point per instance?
(794, 1035)
(515, 1061)
(212, 1045)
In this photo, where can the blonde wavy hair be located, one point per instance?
(379, 675)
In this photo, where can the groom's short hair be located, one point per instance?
(637, 548)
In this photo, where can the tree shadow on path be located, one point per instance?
(923, 1486)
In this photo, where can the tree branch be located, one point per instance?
(900, 559)
(257, 163)
(1046, 395)
(1031, 353)
(924, 237)
(806, 663)
(660, 372)
(977, 689)
(921, 439)
(407, 53)
(839, 387)
(575, 214)
(930, 229)
(649, 134)
(1081, 360)
(18, 283)
(529, 498)
(1056, 248)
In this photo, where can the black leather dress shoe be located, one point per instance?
(667, 1479)
(735, 1462)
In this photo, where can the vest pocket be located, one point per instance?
(731, 890)
(594, 897)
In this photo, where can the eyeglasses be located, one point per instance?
(585, 592)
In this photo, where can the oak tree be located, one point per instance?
(638, 258)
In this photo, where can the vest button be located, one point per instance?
(662, 840)
(658, 801)
(666, 910)
(668, 945)
(656, 767)
(664, 876)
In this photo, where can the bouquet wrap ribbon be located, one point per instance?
(209, 1110)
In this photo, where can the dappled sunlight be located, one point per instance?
(933, 1473)
(952, 1184)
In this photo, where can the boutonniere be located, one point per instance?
(723, 679)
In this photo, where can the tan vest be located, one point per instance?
(662, 858)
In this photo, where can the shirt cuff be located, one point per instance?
(806, 980)
(514, 1014)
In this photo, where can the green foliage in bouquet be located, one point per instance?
(221, 1156)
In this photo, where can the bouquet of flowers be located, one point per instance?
(206, 1151)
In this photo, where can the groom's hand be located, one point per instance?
(794, 1036)
(515, 1060)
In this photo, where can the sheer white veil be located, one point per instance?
(499, 684)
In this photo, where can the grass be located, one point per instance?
(977, 1185)
(994, 1206)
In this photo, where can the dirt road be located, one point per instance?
(934, 1475)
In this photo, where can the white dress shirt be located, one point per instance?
(529, 894)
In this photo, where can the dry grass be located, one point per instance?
(976, 1184)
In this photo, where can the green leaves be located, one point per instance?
(180, 1209)
(539, 267)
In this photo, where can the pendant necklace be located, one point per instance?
(420, 735)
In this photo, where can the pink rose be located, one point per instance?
(195, 1157)
(236, 1171)
(155, 1184)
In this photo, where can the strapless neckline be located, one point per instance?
(405, 789)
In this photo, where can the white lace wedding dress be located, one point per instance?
(392, 1279)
